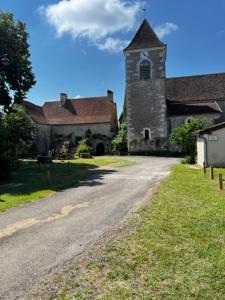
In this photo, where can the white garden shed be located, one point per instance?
(211, 146)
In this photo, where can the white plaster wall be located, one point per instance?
(216, 148)
(200, 151)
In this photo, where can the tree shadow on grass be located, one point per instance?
(30, 179)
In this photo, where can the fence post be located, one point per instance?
(221, 181)
(49, 177)
(212, 172)
(204, 167)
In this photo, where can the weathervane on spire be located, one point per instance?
(144, 9)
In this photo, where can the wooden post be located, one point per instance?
(221, 181)
(204, 167)
(212, 172)
(49, 177)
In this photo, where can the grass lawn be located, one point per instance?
(28, 184)
(174, 248)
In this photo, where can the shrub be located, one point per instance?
(119, 143)
(185, 140)
(83, 148)
(189, 159)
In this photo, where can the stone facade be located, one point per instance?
(145, 101)
(154, 104)
(67, 121)
(176, 121)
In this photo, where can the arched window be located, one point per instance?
(188, 120)
(145, 70)
(147, 134)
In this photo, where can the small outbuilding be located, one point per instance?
(211, 146)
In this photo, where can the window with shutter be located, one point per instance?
(145, 70)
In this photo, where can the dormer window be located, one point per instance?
(145, 70)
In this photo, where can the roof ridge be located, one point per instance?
(88, 98)
(75, 99)
(198, 75)
(210, 129)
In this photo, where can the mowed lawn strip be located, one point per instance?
(29, 184)
(174, 248)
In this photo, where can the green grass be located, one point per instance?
(28, 184)
(174, 248)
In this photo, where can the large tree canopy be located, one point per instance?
(16, 76)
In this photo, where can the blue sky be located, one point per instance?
(76, 45)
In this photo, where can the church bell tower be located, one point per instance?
(145, 100)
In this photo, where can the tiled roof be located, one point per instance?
(79, 111)
(196, 88)
(36, 112)
(210, 129)
(175, 108)
(144, 38)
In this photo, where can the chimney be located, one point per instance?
(63, 98)
(110, 95)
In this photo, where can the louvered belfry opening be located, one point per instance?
(145, 70)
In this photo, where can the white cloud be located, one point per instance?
(97, 20)
(77, 97)
(113, 44)
(165, 29)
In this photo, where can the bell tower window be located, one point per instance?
(145, 70)
(147, 134)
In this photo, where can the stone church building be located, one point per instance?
(67, 121)
(156, 104)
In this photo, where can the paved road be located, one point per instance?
(42, 235)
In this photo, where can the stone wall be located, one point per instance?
(176, 121)
(43, 138)
(50, 136)
(145, 102)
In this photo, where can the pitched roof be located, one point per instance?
(176, 108)
(79, 111)
(36, 112)
(196, 88)
(210, 129)
(144, 38)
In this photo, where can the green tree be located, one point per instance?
(183, 136)
(17, 133)
(16, 76)
(4, 156)
(119, 143)
(20, 129)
